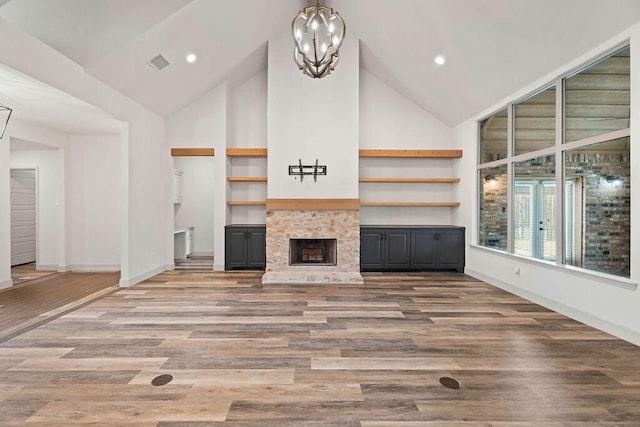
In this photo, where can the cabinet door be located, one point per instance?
(256, 248)
(423, 249)
(371, 252)
(451, 249)
(189, 241)
(397, 249)
(177, 187)
(235, 248)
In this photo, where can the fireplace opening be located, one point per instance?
(312, 252)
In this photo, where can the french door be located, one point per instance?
(534, 230)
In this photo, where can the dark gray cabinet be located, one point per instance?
(382, 249)
(411, 248)
(245, 247)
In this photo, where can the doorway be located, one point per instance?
(23, 185)
(193, 208)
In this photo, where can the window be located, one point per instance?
(494, 137)
(601, 206)
(493, 207)
(519, 174)
(535, 122)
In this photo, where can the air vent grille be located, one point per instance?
(159, 62)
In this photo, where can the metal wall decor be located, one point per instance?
(302, 170)
(318, 32)
(4, 112)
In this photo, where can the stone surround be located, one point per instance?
(340, 224)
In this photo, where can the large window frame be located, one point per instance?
(563, 251)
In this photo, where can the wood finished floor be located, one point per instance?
(26, 272)
(243, 354)
(43, 297)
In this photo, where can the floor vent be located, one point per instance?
(159, 62)
(449, 382)
(161, 380)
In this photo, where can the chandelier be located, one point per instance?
(5, 114)
(318, 33)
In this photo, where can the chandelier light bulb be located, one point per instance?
(318, 32)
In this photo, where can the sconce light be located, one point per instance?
(613, 179)
(5, 114)
(490, 179)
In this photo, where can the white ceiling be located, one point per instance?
(493, 47)
(35, 102)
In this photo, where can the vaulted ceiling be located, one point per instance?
(492, 47)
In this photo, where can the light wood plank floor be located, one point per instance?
(40, 298)
(243, 354)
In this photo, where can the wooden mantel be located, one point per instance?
(313, 204)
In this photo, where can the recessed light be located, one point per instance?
(191, 58)
(439, 60)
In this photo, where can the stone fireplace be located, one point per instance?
(319, 242)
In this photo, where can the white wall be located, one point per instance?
(602, 301)
(146, 219)
(311, 119)
(47, 154)
(389, 120)
(203, 123)
(198, 201)
(93, 200)
(249, 113)
(5, 215)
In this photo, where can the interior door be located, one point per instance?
(23, 216)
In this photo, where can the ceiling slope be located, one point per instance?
(493, 47)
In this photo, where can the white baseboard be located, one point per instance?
(86, 268)
(96, 268)
(579, 315)
(6, 284)
(201, 253)
(125, 283)
(218, 267)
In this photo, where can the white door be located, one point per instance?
(23, 216)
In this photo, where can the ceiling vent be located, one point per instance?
(159, 62)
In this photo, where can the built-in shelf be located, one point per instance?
(191, 152)
(246, 202)
(247, 179)
(437, 154)
(443, 204)
(246, 152)
(409, 154)
(405, 180)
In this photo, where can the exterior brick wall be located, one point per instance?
(606, 207)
